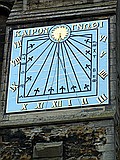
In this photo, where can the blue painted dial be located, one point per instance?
(59, 66)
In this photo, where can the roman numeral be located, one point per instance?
(56, 104)
(40, 105)
(69, 102)
(103, 74)
(18, 44)
(16, 61)
(24, 107)
(102, 54)
(14, 87)
(103, 38)
(84, 101)
(102, 98)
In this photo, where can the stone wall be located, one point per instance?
(50, 10)
(5, 7)
(118, 83)
(3, 19)
(80, 141)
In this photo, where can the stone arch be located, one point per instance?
(4, 10)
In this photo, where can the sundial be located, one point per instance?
(59, 66)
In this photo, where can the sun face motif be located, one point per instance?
(59, 33)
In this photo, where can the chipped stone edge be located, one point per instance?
(54, 117)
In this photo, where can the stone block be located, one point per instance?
(108, 155)
(48, 150)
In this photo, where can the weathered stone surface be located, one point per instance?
(79, 140)
(50, 150)
(41, 10)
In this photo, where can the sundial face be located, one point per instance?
(59, 33)
(61, 66)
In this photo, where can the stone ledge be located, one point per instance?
(61, 12)
(53, 117)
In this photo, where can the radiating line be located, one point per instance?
(41, 69)
(80, 35)
(52, 82)
(72, 67)
(38, 57)
(50, 70)
(79, 50)
(58, 66)
(54, 74)
(65, 72)
(64, 68)
(78, 61)
(38, 46)
(67, 75)
(80, 43)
